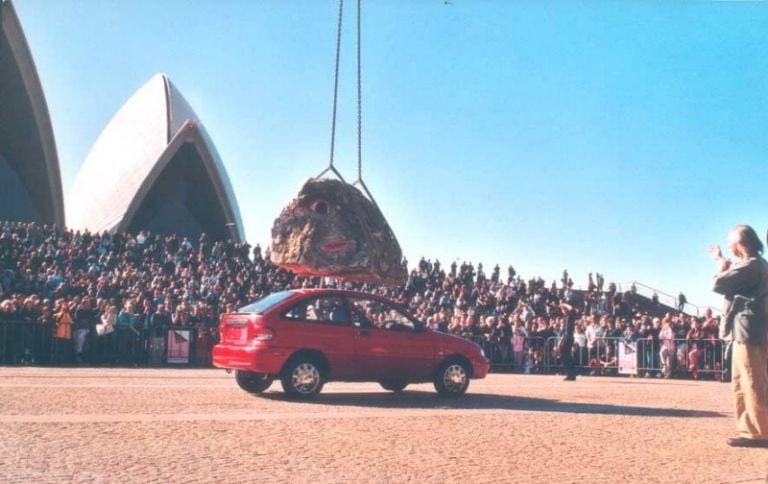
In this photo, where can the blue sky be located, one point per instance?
(618, 137)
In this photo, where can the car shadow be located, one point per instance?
(484, 401)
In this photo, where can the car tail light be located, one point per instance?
(263, 334)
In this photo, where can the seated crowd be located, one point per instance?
(102, 298)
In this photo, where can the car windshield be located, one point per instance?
(265, 303)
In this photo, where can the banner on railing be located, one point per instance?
(178, 346)
(627, 358)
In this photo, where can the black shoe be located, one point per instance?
(743, 442)
(570, 378)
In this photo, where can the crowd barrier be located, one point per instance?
(23, 342)
(677, 358)
(32, 343)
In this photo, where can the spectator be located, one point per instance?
(518, 345)
(594, 333)
(609, 363)
(63, 319)
(84, 320)
(106, 334)
(125, 333)
(695, 344)
(667, 342)
(160, 281)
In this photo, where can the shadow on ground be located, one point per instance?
(429, 400)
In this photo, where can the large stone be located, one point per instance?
(331, 229)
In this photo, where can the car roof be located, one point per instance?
(367, 295)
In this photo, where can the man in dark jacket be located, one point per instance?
(566, 342)
(744, 283)
(85, 321)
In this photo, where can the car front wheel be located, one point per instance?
(452, 379)
(302, 378)
(253, 382)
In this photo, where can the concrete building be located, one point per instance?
(30, 182)
(154, 167)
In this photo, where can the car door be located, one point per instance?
(322, 323)
(388, 343)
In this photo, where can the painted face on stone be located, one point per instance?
(331, 229)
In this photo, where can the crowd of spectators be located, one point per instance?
(103, 297)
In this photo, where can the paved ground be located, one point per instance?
(105, 425)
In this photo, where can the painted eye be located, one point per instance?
(321, 207)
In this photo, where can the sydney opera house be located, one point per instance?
(153, 167)
(30, 184)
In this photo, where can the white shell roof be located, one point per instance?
(44, 164)
(122, 164)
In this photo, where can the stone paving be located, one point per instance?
(143, 426)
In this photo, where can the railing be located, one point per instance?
(680, 358)
(30, 343)
(24, 342)
(665, 298)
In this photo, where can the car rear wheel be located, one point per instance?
(253, 382)
(302, 378)
(394, 386)
(452, 379)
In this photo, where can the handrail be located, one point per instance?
(668, 297)
(664, 298)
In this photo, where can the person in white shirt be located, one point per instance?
(667, 341)
(594, 332)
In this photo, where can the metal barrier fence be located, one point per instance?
(678, 358)
(681, 357)
(23, 342)
(31, 343)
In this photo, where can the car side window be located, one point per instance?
(361, 313)
(370, 313)
(325, 309)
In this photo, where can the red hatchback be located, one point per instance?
(307, 337)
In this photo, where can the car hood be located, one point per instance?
(449, 342)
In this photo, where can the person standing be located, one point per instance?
(159, 324)
(107, 339)
(126, 334)
(667, 343)
(84, 320)
(744, 284)
(63, 336)
(566, 342)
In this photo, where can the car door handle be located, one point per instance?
(365, 332)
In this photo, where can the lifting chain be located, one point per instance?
(331, 166)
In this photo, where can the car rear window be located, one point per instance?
(265, 303)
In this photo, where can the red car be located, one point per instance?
(307, 337)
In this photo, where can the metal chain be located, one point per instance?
(359, 180)
(359, 103)
(331, 167)
(335, 96)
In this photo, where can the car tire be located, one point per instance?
(253, 382)
(302, 378)
(394, 386)
(452, 378)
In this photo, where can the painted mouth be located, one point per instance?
(334, 246)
